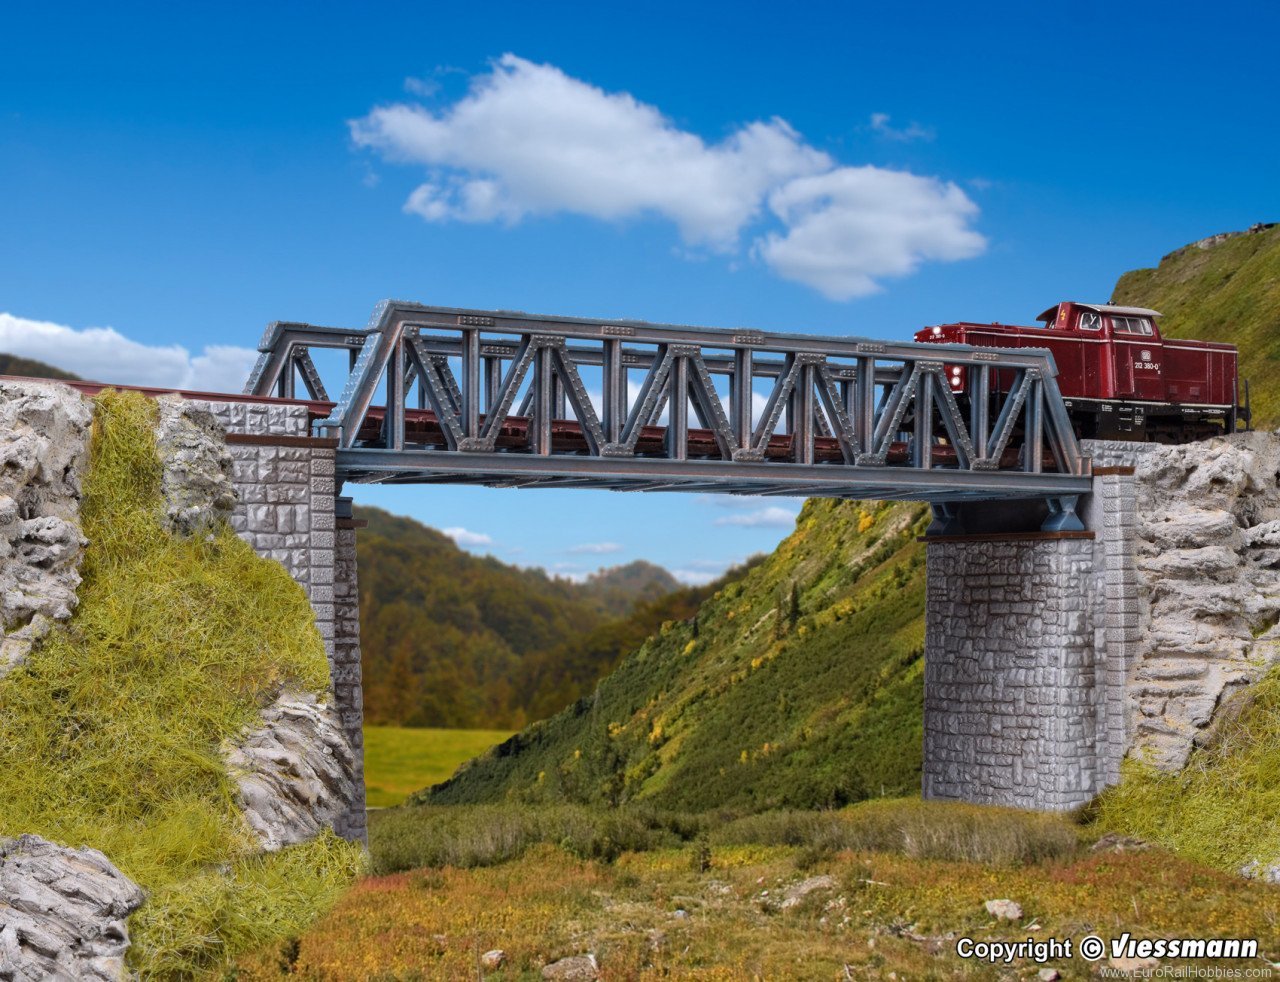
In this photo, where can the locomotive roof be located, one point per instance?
(1102, 308)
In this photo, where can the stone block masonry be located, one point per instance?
(1010, 671)
(1048, 662)
(287, 510)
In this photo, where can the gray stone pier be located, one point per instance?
(1030, 639)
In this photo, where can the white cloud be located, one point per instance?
(103, 354)
(595, 548)
(853, 226)
(465, 537)
(693, 577)
(424, 87)
(770, 517)
(745, 501)
(902, 134)
(528, 139)
(696, 572)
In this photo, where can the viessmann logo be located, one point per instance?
(1092, 948)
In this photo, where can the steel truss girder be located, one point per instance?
(377, 465)
(862, 400)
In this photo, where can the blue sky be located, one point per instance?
(184, 174)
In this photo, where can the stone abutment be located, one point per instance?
(287, 508)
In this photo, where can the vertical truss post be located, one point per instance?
(470, 385)
(863, 410)
(922, 441)
(393, 422)
(1033, 439)
(615, 391)
(980, 407)
(740, 395)
(543, 392)
(285, 387)
(801, 409)
(678, 405)
(559, 404)
(492, 382)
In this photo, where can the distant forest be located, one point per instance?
(455, 640)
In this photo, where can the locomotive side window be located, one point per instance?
(1090, 321)
(1131, 325)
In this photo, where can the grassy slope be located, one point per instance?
(450, 639)
(111, 731)
(1224, 807)
(1228, 292)
(799, 684)
(399, 761)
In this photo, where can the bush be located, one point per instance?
(920, 829)
(467, 836)
(485, 835)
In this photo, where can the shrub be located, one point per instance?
(485, 835)
(920, 829)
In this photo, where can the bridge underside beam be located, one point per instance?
(373, 465)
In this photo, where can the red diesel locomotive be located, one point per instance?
(1119, 378)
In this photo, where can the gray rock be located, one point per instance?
(1263, 872)
(577, 968)
(64, 913)
(295, 773)
(197, 481)
(44, 431)
(798, 891)
(1004, 909)
(1048, 975)
(492, 960)
(1208, 563)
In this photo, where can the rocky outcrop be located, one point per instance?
(63, 913)
(296, 772)
(44, 430)
(1208, 560)
(197, 485)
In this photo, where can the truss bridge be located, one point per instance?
(446, 395)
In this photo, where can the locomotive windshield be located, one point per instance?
(1090, 321)
(1131, 325)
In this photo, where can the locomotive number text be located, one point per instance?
(1151, 365)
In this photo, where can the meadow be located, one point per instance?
(880, 890)
(401, 760)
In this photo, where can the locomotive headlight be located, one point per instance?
(956, 371)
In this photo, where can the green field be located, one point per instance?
(399, 761)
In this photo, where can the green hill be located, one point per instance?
(455, 640)
(13, 365)
(1224, 288)
(797, 684)
(618, 589)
